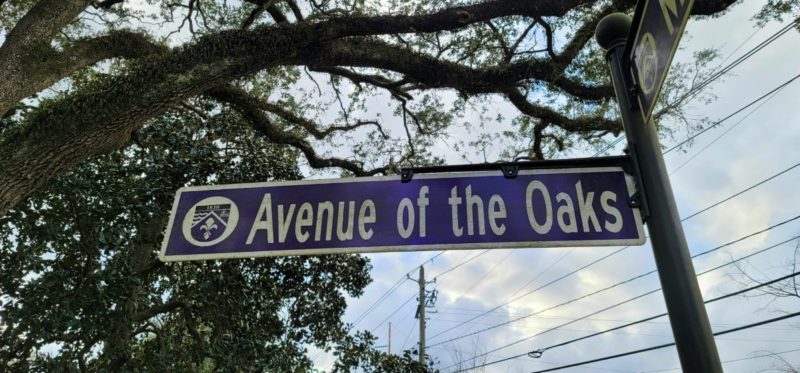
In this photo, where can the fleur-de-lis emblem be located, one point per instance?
(208, 227)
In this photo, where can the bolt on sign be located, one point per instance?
(659, 26)
(538, 208)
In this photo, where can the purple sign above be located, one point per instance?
(538, 208)
(659, 26)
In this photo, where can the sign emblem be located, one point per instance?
(647, 63)
(658, 26)
(210, 221)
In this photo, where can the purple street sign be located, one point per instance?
(538, 208)
(658, 26)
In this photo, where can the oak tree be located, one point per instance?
(536, 55)
(109, 106)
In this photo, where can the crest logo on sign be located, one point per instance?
(647, 63)
(210, 221)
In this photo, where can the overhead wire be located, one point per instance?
(700, 86)
(538, 353)
(507, 302)
(689, 217)
(410, 330)
(729, 129)
(392, 314)
(773, 91)
(742, 192)
(461, 264)
(716, 74)
(622, 282)
(768, 354)
(748, 326)
(611, 254)
(389, 292)
(729, 116)
(438, 275)
(689, 94)
(479, 280)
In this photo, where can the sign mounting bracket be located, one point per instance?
(511, 169)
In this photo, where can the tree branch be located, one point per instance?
(30, 37)
(100, 117)
(376, 80)
(435, 73)
(158, 309)
(250, 108)
(54, 66)
(549, 116)
(106, 4)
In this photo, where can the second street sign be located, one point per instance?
(659, 26)
(551, 207)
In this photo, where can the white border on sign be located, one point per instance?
(404, 248)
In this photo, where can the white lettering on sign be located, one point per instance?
(477, 203)
(574, 211)
(366, 215)
(566, 216)
(406, 208)
(323, 224)
(497, 210)
(454, 201)
(616, 226)
(466, 210)
(537, 185)
(344, 235)
(477, 213)
(422, 203)
(669, 10)
(587, 211)
(405, 226)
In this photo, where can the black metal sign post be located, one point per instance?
(688, 317)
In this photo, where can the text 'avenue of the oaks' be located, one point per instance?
(576, 207)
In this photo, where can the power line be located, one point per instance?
(635, 351)
(389, 292)
(461, 264)
(743, 108)
(521, 296)
(691, 92)
(687, 218)
(537, 353)
(410, 330)
(611, 286)
(478, 281)
(716, 75)
(392, 314)
(768, 354)
(439, 275)
(682, 220)
(630, 299)
(737, 61)
(596, 319)
(748, 326)
(741, 192)
(728, 130)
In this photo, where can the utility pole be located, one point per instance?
(421, 315)
(688, 318)
(389, 348)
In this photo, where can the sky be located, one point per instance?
(473, 286)
(742, 151)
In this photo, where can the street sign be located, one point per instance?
(457, 210)
(659, 26)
